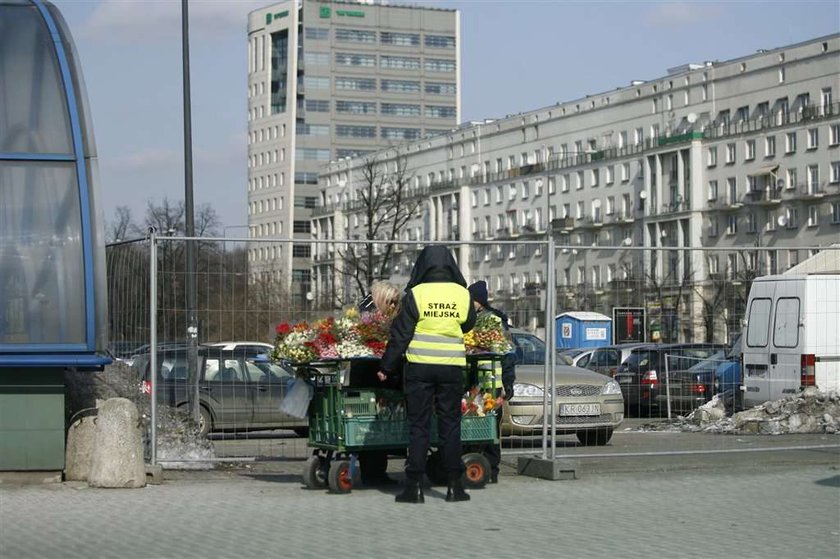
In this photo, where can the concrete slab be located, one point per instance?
(546, 468)
(30, 478)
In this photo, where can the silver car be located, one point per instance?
(588, 405)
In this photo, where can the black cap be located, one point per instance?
(478, 290)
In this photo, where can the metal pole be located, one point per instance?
(552, 352)
(153, 268)
(192, 323)
(668, 385)
(549, 287)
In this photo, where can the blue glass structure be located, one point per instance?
(52, 254)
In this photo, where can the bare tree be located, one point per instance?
(386, 204)
(122, 227)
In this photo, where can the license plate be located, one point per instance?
(580, 409)
(624, 380)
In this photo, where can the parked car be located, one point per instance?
(588, 405)
(530, 350)
(642, 376)
(236, 393)
(579, 357)
(248, 348)
(606, 359)
(728, 379)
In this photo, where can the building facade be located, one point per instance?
(329, 81)
(729, 154)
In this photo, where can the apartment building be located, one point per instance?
(744, 152)
(329, 81)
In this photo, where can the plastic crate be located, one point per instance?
(478, 428)
(364, 432)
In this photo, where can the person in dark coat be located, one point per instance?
(500, 386)
(429, 330)
(385, 298)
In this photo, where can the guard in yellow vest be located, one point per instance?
(429, 330)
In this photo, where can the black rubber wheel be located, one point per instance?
(594, 437)
(339, 478)
(436, 468)
(477, 470)
(315, 473)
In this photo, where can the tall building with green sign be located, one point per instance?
(332, 80)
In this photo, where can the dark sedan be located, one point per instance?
(643, 380)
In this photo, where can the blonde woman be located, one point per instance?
(384, 296)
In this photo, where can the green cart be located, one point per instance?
(344, 421)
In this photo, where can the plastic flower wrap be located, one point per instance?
(478, 403)
(487, 336)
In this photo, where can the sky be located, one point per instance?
(517, 55)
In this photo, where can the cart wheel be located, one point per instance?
(436, 469)
(315, 472)
(477, 470)
(340, 478)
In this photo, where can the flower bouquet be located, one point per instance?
(487, 336)
(479, 403)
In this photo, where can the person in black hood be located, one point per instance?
(429, 331)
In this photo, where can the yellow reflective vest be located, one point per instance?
(438, 340)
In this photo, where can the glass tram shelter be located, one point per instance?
(53, 298)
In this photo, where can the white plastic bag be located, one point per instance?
(296, 402)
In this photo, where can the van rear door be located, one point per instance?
(756, 354)
(787, 340)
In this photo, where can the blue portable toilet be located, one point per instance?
(582, 329)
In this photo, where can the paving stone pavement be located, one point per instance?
(785, 512)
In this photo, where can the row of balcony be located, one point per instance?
(773, 196)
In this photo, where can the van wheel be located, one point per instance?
(594, 437)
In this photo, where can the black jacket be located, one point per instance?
(435, 264)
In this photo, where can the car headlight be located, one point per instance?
(521, 390)
(611, 387)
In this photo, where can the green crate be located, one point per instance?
(365, 432)
(478, 428)
(357, 403)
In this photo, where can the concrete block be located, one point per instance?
(546, 468)
(79, 452)
(154, 474)
(118, 448)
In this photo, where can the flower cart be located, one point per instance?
(345, 419)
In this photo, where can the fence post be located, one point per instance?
(153, 339)
(668, 385)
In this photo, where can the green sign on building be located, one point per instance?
(325, 11)
(278, 15)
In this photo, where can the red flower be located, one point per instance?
(283, 328)
(377, 346)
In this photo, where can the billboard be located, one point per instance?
(628, 325)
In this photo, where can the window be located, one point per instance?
(312, 154)
(499, 194)
(749, 150)
(813, 215)
(770, 146)
(786, 327)
(306, 178)
(399, 39)
(625, 172)
(610, 205)
(301, 251)
(355, 107)
(434, 88)
(732, 225)
(392, 133)
(316, 58)
(303, 226)
(316, 33)
(526, 190)
(834, 135)
(579, 180)
(400, 86)
(305, 129)
(439, 65)
(791, 178)
(512, 191)
(835, 212)
(316, 82)
(638, 136)
(355, 84)
(713, 191)
(751, 228)
(595, 177)
(813, 138)
(730, 153)
(397, 109)
(759, 323)
(711, 156)
(791, 218)
(742, 114)
(790, 142)
(564, 183)
(355, 35)
(622, 139)
(433, 111)
(355, 59)
(834, 174)
(440, 41)
(348, 131)
(713, 226)
(399, 62)
(317, 106)
(813, 179)
(609, 175)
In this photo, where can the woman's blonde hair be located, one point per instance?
(385, 295)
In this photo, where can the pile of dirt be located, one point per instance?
(179, 444)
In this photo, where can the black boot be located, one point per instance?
(456, 492)
(412, 493)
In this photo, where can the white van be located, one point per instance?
(792, 336)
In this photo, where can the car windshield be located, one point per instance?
(642, 359)
(709, 363)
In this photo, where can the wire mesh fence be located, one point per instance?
(641, 321)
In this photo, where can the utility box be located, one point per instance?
(582, 329)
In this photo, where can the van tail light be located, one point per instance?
(699, 388)
(146, 387)
(650, 378)
(808, 371)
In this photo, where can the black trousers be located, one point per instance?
(441, 386)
